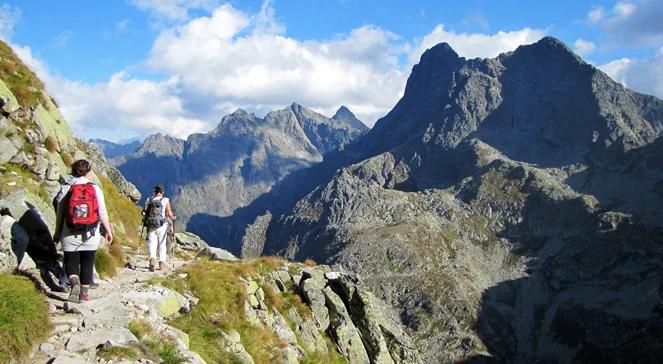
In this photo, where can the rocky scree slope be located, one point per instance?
(256, 311)
(209, 176)
(510, 207)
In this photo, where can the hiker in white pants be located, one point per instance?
(156, 209)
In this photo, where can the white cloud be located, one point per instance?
(596, 15)
(123, 104)
(644, 76)
(9, 16)
(473, 45)
(234, 59)
(584, 47)
(624, 8)
(213, 64)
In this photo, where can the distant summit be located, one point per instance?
(113, 150)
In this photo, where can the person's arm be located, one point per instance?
(169, 212)
(103, 215)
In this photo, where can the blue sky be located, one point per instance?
(122, 69)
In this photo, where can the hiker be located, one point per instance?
(156, 211)
(81, 209)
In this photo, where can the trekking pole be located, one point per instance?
(140, 242)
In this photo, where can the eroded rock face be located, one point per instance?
(210, 176)
(477, 204)
(362, 327)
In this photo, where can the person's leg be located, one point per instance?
(152, 242)
(87, 272)
(161, 235)
(72, 267)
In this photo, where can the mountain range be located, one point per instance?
(209, 176)
(509, 207)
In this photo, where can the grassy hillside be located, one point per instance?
(23, 318)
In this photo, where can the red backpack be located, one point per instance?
(82, 207)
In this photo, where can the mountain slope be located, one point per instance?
(491, 185)
(209, 176)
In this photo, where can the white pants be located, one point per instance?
(156, 239)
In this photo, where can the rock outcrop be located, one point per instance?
(211, 176)
(477, 203)
(361, 327)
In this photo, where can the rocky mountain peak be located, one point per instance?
(343, 112)
(160, 144)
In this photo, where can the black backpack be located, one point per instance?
(153, 218)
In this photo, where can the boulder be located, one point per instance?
(216, 254)
(8, 102)
(90, 340)
(107, 310)
(13, 244)
(189, 241)
(7, 149)
(311, 289)
(232, 343)
(164, 302)
(309, 335)
(343, 329)
(384, 338)
(66, 359)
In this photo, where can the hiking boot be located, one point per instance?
(75, 293)
(152, 264)
(162, 265)
(85, 295)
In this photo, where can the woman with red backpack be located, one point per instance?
(81, 210)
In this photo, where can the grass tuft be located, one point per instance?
(67, 158)
(51, 144)
(159, 345)
(23, 318)
(20, 79)
(106, 263)
(119, 353)
(310, 263)
(221, 309)
(122, 209)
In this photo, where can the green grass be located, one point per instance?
(221, 309)
(330, 357)
(105, 263)
(119, 353)
(123, 210)
(159, 345)
(23, 318)
(20, 79)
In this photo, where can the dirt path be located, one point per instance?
(79, 329)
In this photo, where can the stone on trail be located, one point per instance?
(165, 303)
(90, 340)
(107, 310)
(216, 254)
(64, 359)
(189, 241)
